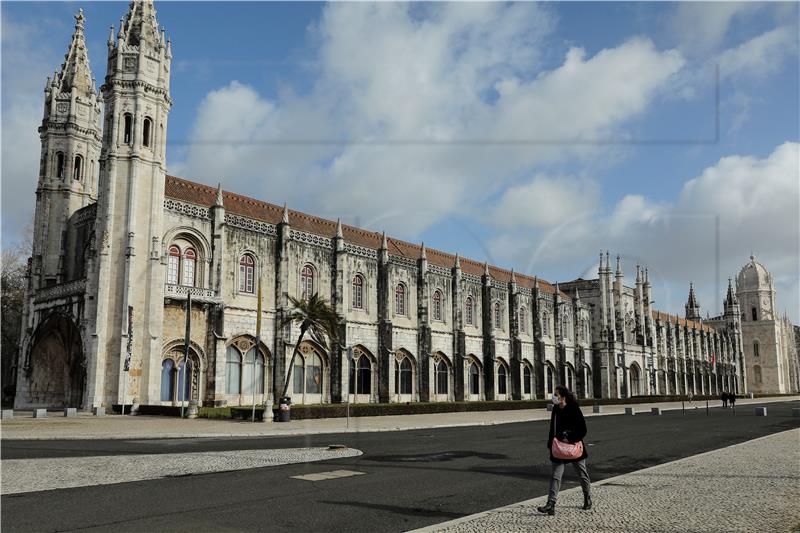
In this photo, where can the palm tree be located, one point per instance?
(315, 317)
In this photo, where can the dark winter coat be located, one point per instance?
(571, 427)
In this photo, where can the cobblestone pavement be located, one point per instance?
(28, 475)
(86, 426)
(749, 487)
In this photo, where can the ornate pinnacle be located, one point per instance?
(422, 253)
(218, 201)
(339, 234)
(457, 262)
(385, 242)
(285, 217)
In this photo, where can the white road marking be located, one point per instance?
(335, 474)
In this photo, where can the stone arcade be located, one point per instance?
(119, 245)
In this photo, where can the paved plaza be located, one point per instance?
(748, 487)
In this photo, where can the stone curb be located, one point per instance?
(323, 431)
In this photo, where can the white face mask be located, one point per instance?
(555, 399)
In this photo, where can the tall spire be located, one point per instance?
(75, 71)
(422, 253)
(285, 215)
(385, 244)
(619, 267)
(486, 269)
(457, 263)
(692, 309)
(140, 24)
(339, 233)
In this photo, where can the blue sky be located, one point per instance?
(612, 108)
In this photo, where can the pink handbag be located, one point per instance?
(565, 450)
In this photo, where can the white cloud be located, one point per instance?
(755, 201)
(702, 26)
(761, 56)
(545, 201)
(397, 84)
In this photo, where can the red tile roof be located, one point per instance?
(205, 195)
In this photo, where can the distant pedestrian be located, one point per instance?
(568, 427)
(724, 398)
(732, 399)
(691, 397)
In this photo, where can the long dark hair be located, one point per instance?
(566, 394)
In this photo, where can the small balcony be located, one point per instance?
(181, 292)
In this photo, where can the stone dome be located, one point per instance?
(753, 277)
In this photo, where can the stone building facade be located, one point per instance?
(121, 248)
(768, 338)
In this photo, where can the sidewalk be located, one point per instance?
(86, 426)
(752, 486)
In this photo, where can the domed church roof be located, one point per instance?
(753, 276)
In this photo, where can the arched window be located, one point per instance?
(549, 380)
(755, 349)
(128, 128)
(77, 169)
(545, 323)
(247, 268)
(400, 299)
(501, 380)
(474, 379)
(314, 375)
(307, 282)
(523, 320)
(167, 383)
(60, 165)
(189, 264)
(526, 379)
(147, 129)
(570, 378)
(184, 381)
(406, 376)
(253, 368)
(173, 265)
(358, 292)
(469, 316)
(233, 367)
(442, 377)
(437, 305)
(757, 373)
(755, 314)
(497, 315)
(364, 378)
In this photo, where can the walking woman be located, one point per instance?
(567, 426)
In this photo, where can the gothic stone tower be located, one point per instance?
(129, 279)
(51, 367)
(70, 135)
(765, 351)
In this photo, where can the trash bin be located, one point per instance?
(285, 409)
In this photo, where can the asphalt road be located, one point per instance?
(412, 478)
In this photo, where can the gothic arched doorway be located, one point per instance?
(56, 367)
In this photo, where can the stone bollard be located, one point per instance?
(630, 410)
(192, 412)
(761, 411)
(70, 412)
(7, 413)
(40, 413)
(796, 411)
(99, 411)
(597, 408)
(550, 407)
(655, 411)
